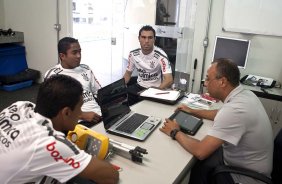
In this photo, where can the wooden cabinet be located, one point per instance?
(274, 110)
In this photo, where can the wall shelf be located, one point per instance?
(18, 37)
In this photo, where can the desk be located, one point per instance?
(166, 161)
(272, 93)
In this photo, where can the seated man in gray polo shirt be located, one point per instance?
(241, 134)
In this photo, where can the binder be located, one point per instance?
(170, 97)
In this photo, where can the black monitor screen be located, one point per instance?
(235, 49)
(113, 102)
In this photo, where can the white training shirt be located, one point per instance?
(149, 67)
(30, 149)
(90, 84)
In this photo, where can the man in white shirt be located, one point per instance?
(151, 63)
(33, 147)
(70, 54)
(240, 136)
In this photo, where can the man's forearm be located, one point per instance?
(205, 114)
(165, 85)
(167, 82)
(127, 77)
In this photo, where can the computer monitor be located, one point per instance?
(232, 48)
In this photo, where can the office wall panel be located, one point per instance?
(253, 16)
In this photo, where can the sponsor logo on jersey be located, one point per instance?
(96, 80)
(156, 55)
(51, 148)
(4, 140)
(136, 52)
(128, 62)
(87, 96)
(163, 65)
(7, 130)
(152, 64)
(57, 70)
(140, 70)
(149, 77)
(85, 77)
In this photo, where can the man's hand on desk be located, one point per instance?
(168, 126)
(185, 108)
(200, 113)
(91, 117)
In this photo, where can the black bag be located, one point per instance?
(28, 74)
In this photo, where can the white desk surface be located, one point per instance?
(166, 161)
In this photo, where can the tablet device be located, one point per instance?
(188, 123)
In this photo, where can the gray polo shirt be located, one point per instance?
(247, 133)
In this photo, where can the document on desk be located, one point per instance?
(170, 95)
(195, 101)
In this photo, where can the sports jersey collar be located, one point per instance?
(76, 68)
(43, 120)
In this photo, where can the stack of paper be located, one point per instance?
(258, 80)
(196, 102)
(170, 95)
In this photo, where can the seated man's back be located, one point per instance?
(32, 147)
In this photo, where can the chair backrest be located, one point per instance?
(277, 159)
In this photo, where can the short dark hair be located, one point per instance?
(147, 28)
(56, 93)
(64, 44)
(228, 69)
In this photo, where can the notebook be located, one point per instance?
(118, 118)
(163, 96)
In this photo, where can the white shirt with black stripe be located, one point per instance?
(86, 77)
(150, 67)
(31, 149)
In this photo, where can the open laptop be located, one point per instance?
(118, 118)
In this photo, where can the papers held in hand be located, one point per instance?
(195, 101)
(165, 96)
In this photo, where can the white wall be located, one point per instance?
(265, 51)
(36, 18)
(2, 15)
(134, 19)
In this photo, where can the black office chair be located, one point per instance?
(132, 80)
(276, 175)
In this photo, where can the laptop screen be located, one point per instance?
(113, 102)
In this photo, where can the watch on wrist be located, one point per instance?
(173, 133)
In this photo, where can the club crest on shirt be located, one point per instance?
(85, 77)
(152, 64)
(57, 70)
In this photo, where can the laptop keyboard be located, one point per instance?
(132, 123)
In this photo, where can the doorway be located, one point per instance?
(98, 25)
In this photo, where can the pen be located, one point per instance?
(162, 93)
